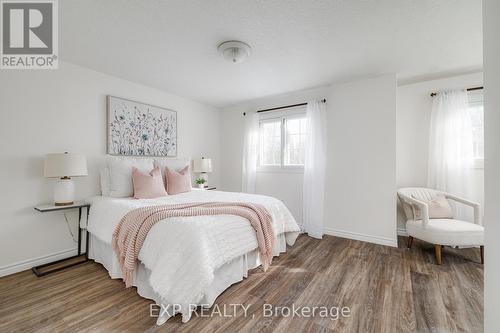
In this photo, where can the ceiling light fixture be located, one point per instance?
(234, 51)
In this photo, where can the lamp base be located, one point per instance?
(64, 203)
(64, 192)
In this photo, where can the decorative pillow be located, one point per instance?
(171, 163)
(178, 181)
(148, 186)
(120, 174)
(439, 208)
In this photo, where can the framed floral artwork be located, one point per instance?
(138, 129)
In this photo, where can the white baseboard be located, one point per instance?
(27, 264)
(362, 237)
(402, 232)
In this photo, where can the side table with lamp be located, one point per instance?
(203, 166)
(64, 166)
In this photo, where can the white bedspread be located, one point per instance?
(183, 252)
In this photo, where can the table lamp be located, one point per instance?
(203, 166)
(64, 166)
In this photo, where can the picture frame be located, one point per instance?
(139, 129)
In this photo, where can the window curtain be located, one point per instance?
(451, 156)
(314, 169)
(250, 150)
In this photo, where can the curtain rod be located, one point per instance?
(468, 89)
(284, 107)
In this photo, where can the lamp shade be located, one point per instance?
(202, 165)
(65, 165)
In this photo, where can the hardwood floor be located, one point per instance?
(387, 290)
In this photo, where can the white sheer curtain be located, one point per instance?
(314, 169)
(451, 155)
(250, 150)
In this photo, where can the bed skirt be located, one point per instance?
(232, 272)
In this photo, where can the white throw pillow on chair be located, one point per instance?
(439, 208)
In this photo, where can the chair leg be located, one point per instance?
(438, 248)
(410, 241)
(482, 254)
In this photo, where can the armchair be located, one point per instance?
(439, 231)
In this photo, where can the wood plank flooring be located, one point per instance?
(387, 290)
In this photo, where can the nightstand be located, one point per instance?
(209, 188)
(53, 208)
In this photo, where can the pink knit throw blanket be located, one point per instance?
(131, 232)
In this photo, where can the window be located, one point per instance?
(295, 139)
(270, 142)
(282, 141)
(476, 110)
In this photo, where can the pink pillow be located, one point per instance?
(178, 182)
(148, 186)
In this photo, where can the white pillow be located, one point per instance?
(105, 182)
(120, 174)
(439, 208)
(172, 163)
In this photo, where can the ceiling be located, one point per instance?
(172, 45)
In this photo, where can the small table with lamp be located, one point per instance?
(64, 166)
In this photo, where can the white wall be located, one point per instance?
(360, 196)
(361, 183)
(65, 110)
(491, 28)
(412, 133)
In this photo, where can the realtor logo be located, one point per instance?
(29, 34)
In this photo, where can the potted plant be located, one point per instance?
(200, 182)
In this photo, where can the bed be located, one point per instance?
(188, 261)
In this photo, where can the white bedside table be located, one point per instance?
(53, 208)
(209, 188)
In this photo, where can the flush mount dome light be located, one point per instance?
(234, 51)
